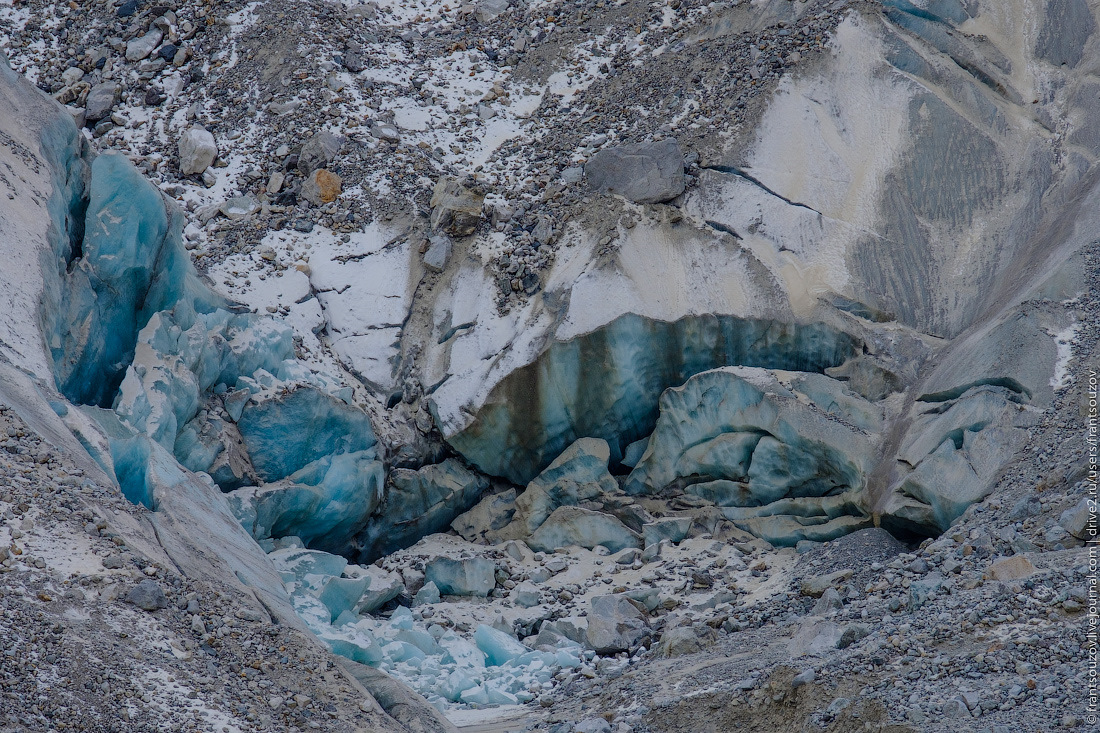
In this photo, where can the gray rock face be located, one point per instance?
(101, 100)
(319, 151)
(646, 173)
(472, 576)
(616, 624)
(148, 596)
(456, 210)
(197, 151)
(570, 525)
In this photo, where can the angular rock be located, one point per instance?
(489, 9)
(645, 173)
(197, 151)
(101, 100)
(319, 151)
(490, 514)
(1081, 520)
(456, 210)
(239, 207)
(321, 187)
(570, 525)
(816, 586)
(616, 624)
(473, 576)
(678, 641)
(141, 47)
(148, 596)
(526, 595)
(438, 254)
(1012, 568)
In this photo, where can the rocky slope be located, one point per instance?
(584, 364)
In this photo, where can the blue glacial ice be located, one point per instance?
(446, 667)
(188, 375)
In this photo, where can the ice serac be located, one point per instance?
(419, 503)
(285, 433)
(129, 267)
(606, 383)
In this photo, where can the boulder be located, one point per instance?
(678, 641)
(197, 150)
(438, 254)
(1080, 520)
(815, 586)
(616, 624)
(322, 186)
(1012, 568)
(645, 173)
(140, 48)
(148, 596)
(319, 151)
(101, 100)
(488, 9)
(569, 525)
(472, 576)
(490, 514)
(456, 210)
(526, 595)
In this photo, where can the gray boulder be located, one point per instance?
(456, 210)
(490, 514)
(147, 596)
(1076, 520)
(616, 624)
(439, 252)
(319, 151)
(489, 9)
(646, 173)
(197, 150)
(140, 48)
(101, 100)
(472, 576)
(679, 641)
(570, 525)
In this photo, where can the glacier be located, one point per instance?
(868, 350)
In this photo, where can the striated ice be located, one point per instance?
(499, 648)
